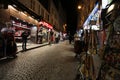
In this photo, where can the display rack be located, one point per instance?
(86, 66)
(110, 68)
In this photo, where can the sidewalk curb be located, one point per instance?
(32, 48)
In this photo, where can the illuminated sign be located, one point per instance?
(95, 27)
(43, 23)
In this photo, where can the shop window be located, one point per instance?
(42, 12)
(32, 5)
(39, 10)
(51, 21)
(48, 17)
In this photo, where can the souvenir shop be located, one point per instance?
(43, 31)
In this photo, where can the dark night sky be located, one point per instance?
(70, 6)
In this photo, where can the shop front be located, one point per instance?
(21, 21)
(43, 32)
(20, 25)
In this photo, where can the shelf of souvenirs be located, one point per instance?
(111, 65)
(108, 72)
(112, 58)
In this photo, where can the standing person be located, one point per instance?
(51, 36)
(10, 47)
(70, 38)
(56, 38)
(24, 39)
(40, 37)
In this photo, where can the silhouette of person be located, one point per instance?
(24, 39)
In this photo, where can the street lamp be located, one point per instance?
(64, 27)
(79, 7)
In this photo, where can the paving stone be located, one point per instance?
(55, 62)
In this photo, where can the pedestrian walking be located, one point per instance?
(24, 35)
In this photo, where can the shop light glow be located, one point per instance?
(23, 13)
(111, 8)
(14, 5)
(11, 7)
(79, 7)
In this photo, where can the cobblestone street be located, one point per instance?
(52, 62)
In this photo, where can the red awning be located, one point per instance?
(46, 24)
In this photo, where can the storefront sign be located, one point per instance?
(45, 24)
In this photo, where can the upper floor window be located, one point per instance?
(32, 4)
(48, 17)
(42, 12)
(39, 10)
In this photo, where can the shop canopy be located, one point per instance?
(45, 24)
(92, 14)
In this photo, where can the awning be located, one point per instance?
(43, 23)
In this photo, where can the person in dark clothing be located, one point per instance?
(51, 36)
(24, 39)
(1, 46)
(9, 46)
(40, 37)
(70, 38)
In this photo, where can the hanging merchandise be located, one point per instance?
(110, 68)
(117, 24)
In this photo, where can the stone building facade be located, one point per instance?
(83, 13)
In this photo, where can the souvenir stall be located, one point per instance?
(88, 66)
(110, 68)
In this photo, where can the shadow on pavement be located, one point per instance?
(6, 60)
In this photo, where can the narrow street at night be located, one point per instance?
(51, 62)
(59, 39)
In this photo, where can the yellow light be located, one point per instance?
(65, 24)
(111, 8)
(79, 7)
(11, 7)
(23, 13)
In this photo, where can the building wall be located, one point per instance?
(36, 7)
(54, 16)
(87, 7)
(4, 17)
(62, 15)
(58, 15)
